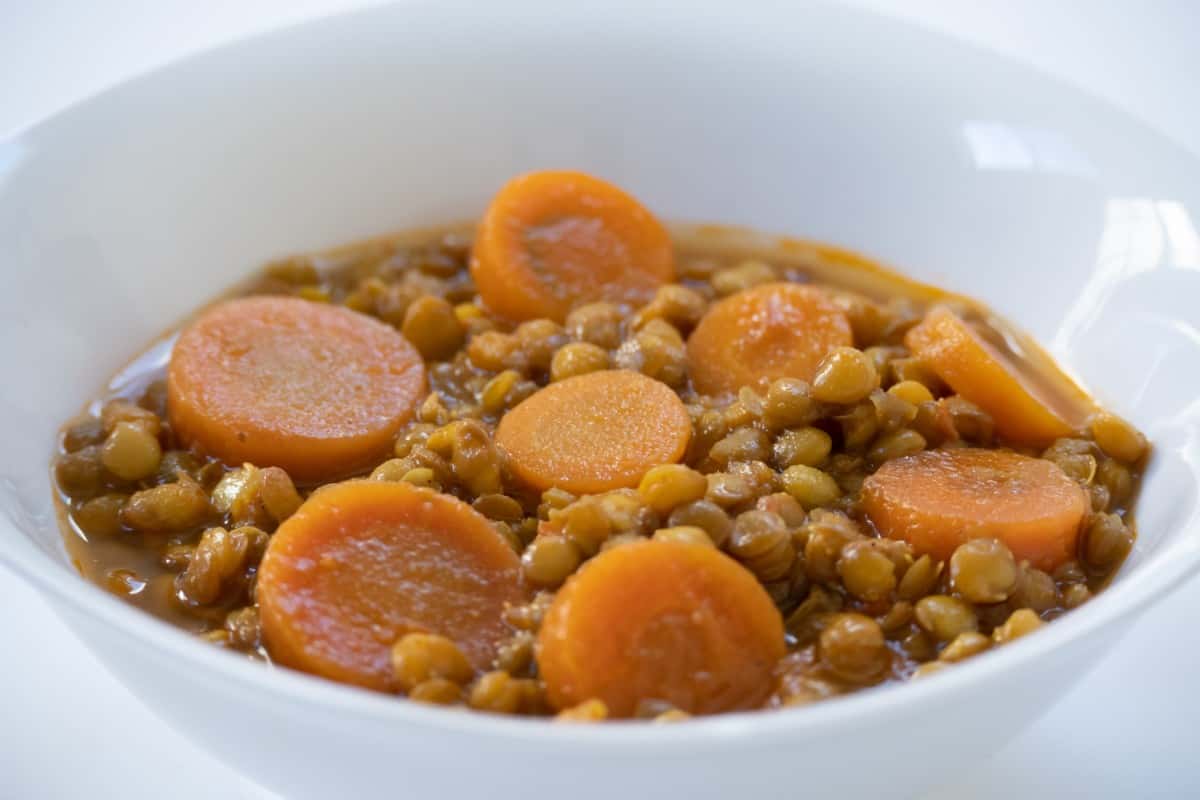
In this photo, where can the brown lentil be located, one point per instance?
(743, 276)
(277, 493)
(1075, 595)
(577, 358)
(81, 432)
(515, 655)
(80, 473)
(844, 376)
(964, 646)
(667, 486)
(118, 411)
(499, 693)
(548, 560)
(811, 487)
(762, 542)
(657, 351)
(826, 534)
(866, 571)
(432, 326)
(898, 443)
(983, 571)
(678, 305)
(131, 452)
(945, 617)
(807, 447)
(436, 691)
(1106, 542)
(596, 323)
(1035, 590)
(707, 516)
(688, 534)
(539, 339)
(1022, 621)
(588, 711)
(420, 657)
(929, 668)
(912, 392)
(243, 627)
(788, 404)
(853, 648)
(1117, 438)
(169, 507)
(101, 516)
(1117, 480)
(220, 557)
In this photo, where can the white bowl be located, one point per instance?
(119, 215)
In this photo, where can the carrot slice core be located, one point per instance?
(777, 330)
(552, 240)
(938, 499)
(659, 620)
(277, 381)
(594, 432)
(362, 563)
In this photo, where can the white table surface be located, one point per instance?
(1128, 729)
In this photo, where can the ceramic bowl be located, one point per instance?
(122, 213)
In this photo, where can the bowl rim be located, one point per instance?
(1160, 574)
(1163, 572)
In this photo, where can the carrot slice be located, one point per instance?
(364, 562)
(594, 432)
(776, 330)
(552, 240)
(661, 620)
(1025, 407)
(938, 499)
(317, 390)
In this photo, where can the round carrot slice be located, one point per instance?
(551, 240)
(1025, 409)
(364, 562)
(277, 381)
(938, 499)
(661, 620)
(776, 330)
(594, 432)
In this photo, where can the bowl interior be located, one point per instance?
(120, 215)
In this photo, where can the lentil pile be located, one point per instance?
(847, 491)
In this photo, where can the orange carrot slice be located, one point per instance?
(594, 432)
(315, 389)
(1026, 409)
(553, 240)
(661, 620)
(938, 499)
(364, 562)
(776, 330)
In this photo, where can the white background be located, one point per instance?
(1128, 729)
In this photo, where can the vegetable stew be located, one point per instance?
(572, 462)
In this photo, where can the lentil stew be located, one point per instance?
(576, 463)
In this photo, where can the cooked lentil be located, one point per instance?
(770, 477)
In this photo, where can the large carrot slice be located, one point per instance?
(364, 562)
(551, 240)
(1026, 406)
(661, 620)
(777, 330)
(317, 390)
(594, 432)
(938, 499)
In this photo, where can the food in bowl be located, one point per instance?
(570, 461)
